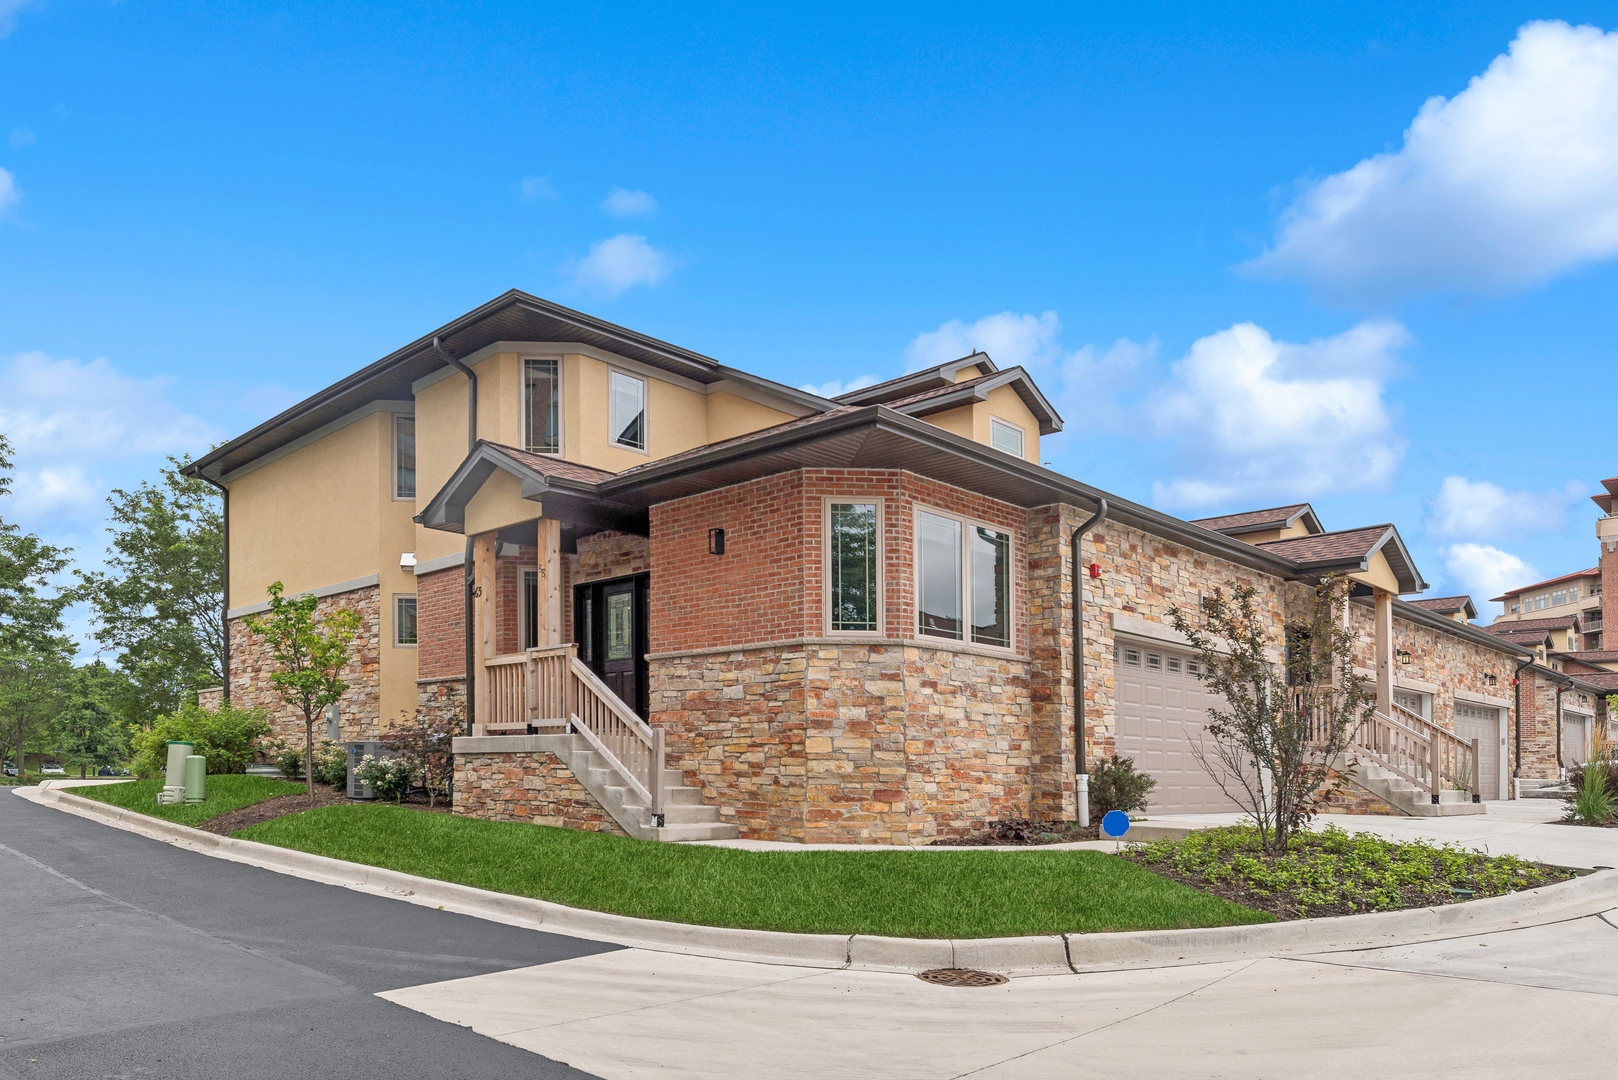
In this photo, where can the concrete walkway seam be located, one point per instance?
(1035, 955)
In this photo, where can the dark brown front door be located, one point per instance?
(611, 627)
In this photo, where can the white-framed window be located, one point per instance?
(963, 579)
(1004, 435)
(1515, 609)
(1558, 598)
(1573, 594)
(404, 619)
(853, 560)
(404, 457)
(627, 410)
(542, 406)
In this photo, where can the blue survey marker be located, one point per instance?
(1114, 823)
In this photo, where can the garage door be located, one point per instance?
(1483, 724)
(1575, 738)
(1162, 708)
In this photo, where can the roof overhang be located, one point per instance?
(515, 316)
(917, 382)
(1016, 378)
(1393, 549)
(1404, 609)
(574, 502)
(1304, 513)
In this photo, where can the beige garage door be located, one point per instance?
(1483, 724)
(1575, 738)
(1162, 708)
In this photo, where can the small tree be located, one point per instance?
(426, 742)
(1282, 727)
(87, 732)
(309, 653)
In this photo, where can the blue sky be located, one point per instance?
(1360, 255)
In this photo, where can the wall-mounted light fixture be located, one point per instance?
(1404, 657)
(1095, 569)
(716, 541)
(1490, 680)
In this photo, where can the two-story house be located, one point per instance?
(675, 599)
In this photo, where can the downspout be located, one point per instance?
(224, 581)
(1516, 686)
(1081, 767)
(1561, 767)
(469, 571)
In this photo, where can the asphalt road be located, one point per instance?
(124, 957)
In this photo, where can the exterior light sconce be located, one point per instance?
(1095, 570)
(1404, 657)
(716, 541)
(1490, 680)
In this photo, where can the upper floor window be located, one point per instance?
(628, 405)
(960, 565)
(542, 406)
(852, 576)
(404, 620)
(1558, 598)
(1005, 436)
(404, 457)
(1573, 594)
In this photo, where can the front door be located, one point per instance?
(611, 628)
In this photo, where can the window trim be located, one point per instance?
(964, 570)
(416, 602)
(393, 432)
(561, 411)
(1022, 436)
(645, 413)
(825, 566)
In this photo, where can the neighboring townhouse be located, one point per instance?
(694, 602)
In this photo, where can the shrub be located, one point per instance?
(1115, 785)
(288, 759)
(331, 763)
(427, 742)
(1592, 802)
(224, 736)
(390, 778)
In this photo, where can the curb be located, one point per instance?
(1056, 954)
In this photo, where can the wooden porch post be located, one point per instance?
(483, 608)
(1383, 643)
(550, 582)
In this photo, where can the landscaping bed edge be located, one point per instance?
(1041, 955)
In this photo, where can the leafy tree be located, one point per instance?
(158, 602)
(1282, 727)
(34, 652)
(310, 654)
(87, 732)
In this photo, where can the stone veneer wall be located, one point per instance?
(251, 666)
(441, 648)
(601, 556)
(533, 786)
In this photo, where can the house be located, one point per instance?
(694, 602)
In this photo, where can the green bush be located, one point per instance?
(224, 736)
(289, 759)
(1115, 785)
(1592, 802)
(390, 778)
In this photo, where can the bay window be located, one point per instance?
(853, 542)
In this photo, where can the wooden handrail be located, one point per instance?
(548, 686)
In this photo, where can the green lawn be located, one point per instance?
(928, 894)
(225, 793)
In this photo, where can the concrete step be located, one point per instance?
(714, 831)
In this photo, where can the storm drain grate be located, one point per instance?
(962, 977)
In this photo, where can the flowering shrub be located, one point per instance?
(390, 778)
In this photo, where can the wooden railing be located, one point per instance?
(1415, 749)
(552, 688)
(1452, 761)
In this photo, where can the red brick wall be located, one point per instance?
(441, 624)
(1609, 593)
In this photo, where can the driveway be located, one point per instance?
(127, 957)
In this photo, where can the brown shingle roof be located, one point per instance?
(1517, 637)
(752, 436)
(551, 466)
(1445, 605)
(1560, 622)
(1330, 547)
(938, 391)
(1606, 680)
(1595, 656)
(1277, 517)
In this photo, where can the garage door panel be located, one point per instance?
(1162, 710)
(1483, 724)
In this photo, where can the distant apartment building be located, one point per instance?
(1569, 607)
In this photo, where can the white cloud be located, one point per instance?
(535, 188)
(1009, 339)
(837, 387)
(69, 421)
(8, 191)
(8, 14)
(1479, 509)
(1249, 417)
(21, 137)
(1483, 571)
(623, 203)
(622, 261)
(1510, 182)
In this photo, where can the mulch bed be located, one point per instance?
(1023, 833)
(1283, 907)
(270, 809)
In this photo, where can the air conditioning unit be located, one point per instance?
(357, 752)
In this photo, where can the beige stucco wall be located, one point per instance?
(498, 503)
(730, 416)
(1378, 574)
(1004, 403)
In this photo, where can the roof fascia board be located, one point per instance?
(1404, 554)
(534, 350)
(1062, 488)
(694, 360)
(945, 373)
(760, 390)
(399, 407)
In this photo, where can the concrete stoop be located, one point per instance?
(1409, 799)
(685, 816)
